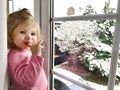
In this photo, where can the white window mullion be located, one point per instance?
(115, 51)
(76, 82)
(87, 17)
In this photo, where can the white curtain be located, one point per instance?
(3, 45)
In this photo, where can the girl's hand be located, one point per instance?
(36, 49)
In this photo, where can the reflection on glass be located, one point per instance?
(82, 7)
(84, 48)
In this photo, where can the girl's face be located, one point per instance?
(24, 37)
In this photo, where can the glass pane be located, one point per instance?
(84, 48)
(62, 84)
(83, 7)
(19, 4)
(10, 6)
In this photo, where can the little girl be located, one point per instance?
(25, 61)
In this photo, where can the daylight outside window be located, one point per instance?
(83, 48)
(15, 5)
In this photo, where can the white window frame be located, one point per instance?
(115, 48)
(41, 12)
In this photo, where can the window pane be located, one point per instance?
(19, 4)
(83, 7)
(84, 48)
(62, 84)
(10, 6)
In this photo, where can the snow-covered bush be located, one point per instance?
(72, 36)
(92, 40)
(80, 37)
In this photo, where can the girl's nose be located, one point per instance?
(28, 36)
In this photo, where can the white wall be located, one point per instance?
(3, 45)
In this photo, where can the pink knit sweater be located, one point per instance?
(26, 71)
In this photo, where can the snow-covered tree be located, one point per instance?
(91, 40)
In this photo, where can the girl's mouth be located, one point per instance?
(26, 43)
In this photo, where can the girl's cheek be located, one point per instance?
(35, 41)
(19, 38)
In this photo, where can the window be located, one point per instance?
(15, 5)
(85, 44)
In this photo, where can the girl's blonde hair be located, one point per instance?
(22, 17)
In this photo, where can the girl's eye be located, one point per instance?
(23, 32)
(33, 33)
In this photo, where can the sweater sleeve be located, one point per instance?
(25, 71)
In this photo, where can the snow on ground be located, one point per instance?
(60, 74)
